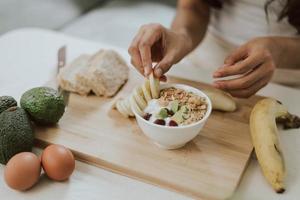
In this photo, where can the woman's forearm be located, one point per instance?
(288, 49)
(191, 19)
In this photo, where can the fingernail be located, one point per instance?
(158, 72)
(145, 73)
(148, 69)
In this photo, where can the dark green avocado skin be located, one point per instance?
(43, 104)
(7, 102)
(16, 134)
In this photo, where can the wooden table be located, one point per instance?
(21, 70)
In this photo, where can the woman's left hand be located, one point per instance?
(254, 64)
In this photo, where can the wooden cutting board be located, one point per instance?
(209, 167)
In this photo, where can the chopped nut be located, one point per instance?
(202, 107)
(191, 107)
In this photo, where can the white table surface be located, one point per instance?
(28, 59)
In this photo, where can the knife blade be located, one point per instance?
(61, 62)
(61, 57)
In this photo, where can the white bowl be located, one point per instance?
(167, 137)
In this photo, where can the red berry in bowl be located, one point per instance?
(147, 116)
(173, 123)
(160, 122)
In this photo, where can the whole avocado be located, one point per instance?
(43, 104)
(16, 134)
(7, 102)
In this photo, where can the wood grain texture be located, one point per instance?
(209, 167)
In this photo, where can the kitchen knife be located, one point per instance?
(61, 62)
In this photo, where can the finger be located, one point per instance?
(164, 65)
(133, 51)
(247, 92)
(138, 66)
(237, 55)
(147, 41)
(244, 81)
(146, 59)
(240, 67)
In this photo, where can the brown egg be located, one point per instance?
(22, 171)
(58, 162)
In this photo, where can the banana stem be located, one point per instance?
(289, 121)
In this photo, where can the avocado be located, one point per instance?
(43, 104)
(7, 102)
(174, 106)
(180, 115)
(16, 134)
(162, 114)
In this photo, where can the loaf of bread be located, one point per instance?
(72, 76)
(107, 72)
(103, 73)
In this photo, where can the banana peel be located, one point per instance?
(265, 139)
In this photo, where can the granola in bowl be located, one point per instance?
(176, 107)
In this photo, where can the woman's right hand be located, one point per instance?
(155, 43)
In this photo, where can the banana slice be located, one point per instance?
(146, 90)
(154, 86)
(127, 106)
(121, 109)
(123, 104)
(266, 142)
(139, 97)
(135, 106)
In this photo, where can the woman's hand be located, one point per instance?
(155, 43)
(253, 63)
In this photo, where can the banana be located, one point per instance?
(135, 106)
(139, 97)
(265, 140)
(221, 100)
(127, 106)
(154, 86)
(146, 90)
(121, 108)
(150, 90)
